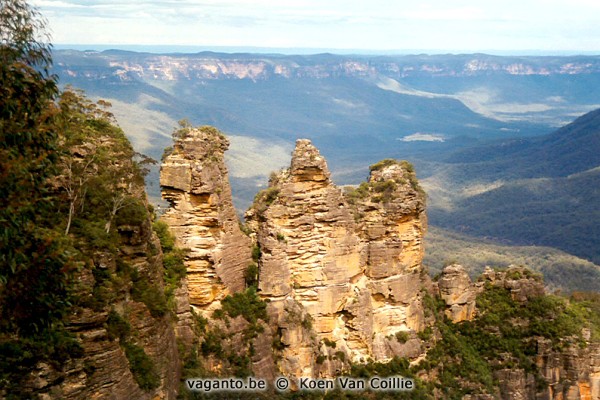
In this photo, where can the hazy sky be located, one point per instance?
(449, 25)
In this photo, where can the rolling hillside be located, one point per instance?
(542, 191)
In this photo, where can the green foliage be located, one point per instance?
(307, 322)
(264, 199)
(358, 193)
(67, 174)
(216, 342)
(395, 367)
(382, 164)
(425, 334)
(134, 212)
(147, 293)
(246, 304)
(117, 327)
(173, 261)
(256, 253)
(212, 342)
(548, 316)
(251, 275)
(244, 228)
(142, 367)
(384, 191)
(36, 258)
(502, 336)
(402, 337)
(432, 305)
(464, 370)
(267, 196)
(589, 303)
(329, 343)
(20, 355)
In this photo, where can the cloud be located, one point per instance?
(376, 24)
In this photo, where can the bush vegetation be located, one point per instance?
(560, 270)
(216, 342)
(70, 179)
(142, 367)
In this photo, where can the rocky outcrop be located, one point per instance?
(341, 273)
(353, 264)
(194, 181)
(570, 371)
(522, 283)
(573, 373)
(458, 293)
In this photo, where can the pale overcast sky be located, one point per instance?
(440, 25)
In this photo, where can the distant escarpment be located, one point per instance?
(131, 66)
(327, 281)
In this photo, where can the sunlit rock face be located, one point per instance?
(202, 217)
(458, 293)
(352, 266)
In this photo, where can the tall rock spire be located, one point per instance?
(195, 182)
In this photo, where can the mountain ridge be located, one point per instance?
(547, 184)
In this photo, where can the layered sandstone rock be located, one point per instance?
(573, 373)
(458, 293)
(103, 370)
(353, 266)
(194, 181)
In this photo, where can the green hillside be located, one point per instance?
(561, 270)
(543, 191)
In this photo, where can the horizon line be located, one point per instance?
(177, 48)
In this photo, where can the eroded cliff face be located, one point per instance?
(114, 327)
(570, 371)
(194, 181)
(342, 277)
(347, 268)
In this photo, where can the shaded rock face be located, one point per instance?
(194, 181)
(353, 266)
(570, 374)
(103, 370)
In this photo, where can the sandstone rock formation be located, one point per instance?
(352, 264)
(572, 373)
(341, 271)
(458, 293)
(202, 217)
(522, 282)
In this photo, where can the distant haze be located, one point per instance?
(386, 26)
